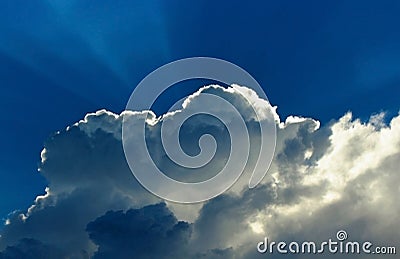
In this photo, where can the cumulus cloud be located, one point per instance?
(31, 248)
(343, 175)
(87, 175)
(161, 235)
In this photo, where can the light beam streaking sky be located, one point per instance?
(59, 61)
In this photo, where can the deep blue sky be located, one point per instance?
(61, 59)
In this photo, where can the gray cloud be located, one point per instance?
(31, 248)
(339, 176)
(149, 232)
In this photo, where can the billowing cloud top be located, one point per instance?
(339, 176)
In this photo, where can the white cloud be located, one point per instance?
(344, 175)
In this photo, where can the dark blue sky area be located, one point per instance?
(62, 59)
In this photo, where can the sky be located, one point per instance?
(60, 60)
